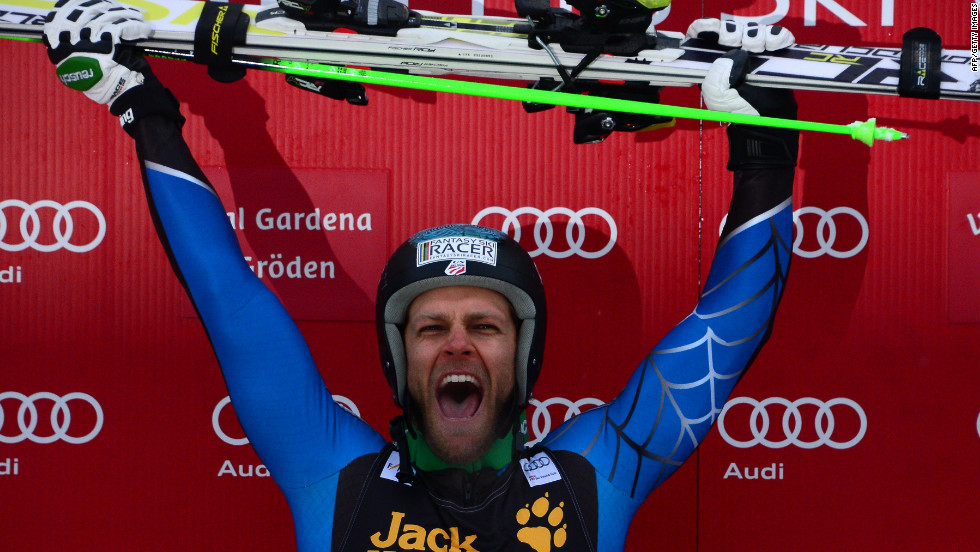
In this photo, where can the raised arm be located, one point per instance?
(674, 397)
(289, 416)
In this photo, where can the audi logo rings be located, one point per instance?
(30, 225)
(823, 423)
(27, 417)
(541, 423)
(544, 231)
(537, 463)
(827, 224)
(344, 403)
(217, 426)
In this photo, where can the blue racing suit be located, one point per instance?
(578, 491)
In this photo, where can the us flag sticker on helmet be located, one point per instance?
(456, 248)
(456, 267)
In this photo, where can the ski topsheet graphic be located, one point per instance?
(500, 48)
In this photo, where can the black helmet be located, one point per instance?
(461, 255)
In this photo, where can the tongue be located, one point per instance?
(459, 401)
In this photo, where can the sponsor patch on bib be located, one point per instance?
(540, 469)
(390, 471)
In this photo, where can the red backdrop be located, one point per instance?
(870, 383)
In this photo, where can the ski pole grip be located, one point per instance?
(220, 27)
(921, 64)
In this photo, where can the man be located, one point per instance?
(461, 320)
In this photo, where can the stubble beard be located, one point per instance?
(462, 444)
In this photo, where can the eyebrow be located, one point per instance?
(442, 317)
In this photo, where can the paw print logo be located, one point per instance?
(539, 525)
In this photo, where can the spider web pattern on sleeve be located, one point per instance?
(674, 397)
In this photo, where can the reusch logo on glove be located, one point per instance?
(80, 73)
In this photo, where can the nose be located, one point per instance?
(458, 342)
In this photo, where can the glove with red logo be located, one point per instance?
(86, 42)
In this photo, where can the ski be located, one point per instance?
(500, 48)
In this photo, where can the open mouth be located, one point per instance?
(459, 396)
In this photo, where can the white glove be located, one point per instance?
(83, 38)
(717, 88)
(747, 36)
(727, 71)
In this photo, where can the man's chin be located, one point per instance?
(460, 440)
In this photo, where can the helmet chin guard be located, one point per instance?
(461, 255)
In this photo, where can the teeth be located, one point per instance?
(458, 378)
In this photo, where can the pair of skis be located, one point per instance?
(569, 60)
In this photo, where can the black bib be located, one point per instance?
(375, 512)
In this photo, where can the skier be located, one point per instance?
(461, 320)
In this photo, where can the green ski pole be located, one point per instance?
(866, 132)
